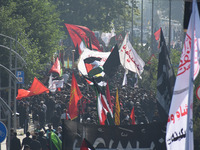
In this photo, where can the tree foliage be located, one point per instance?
(149, 76)
(36, 25)
(95, 14)
(44, 28)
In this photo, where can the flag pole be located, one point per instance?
(191, 82)
(126, 71)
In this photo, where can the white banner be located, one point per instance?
(129, 58)
(52, 87)
(91, 53)
(58, 83)
(54, 84)
(180, 125)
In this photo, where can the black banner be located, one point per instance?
(144, 136)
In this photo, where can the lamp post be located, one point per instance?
(73, 65)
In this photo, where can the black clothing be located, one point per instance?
(15, 144)
(35, 145)
(22, 114)
(43, 142)
(55, 120)
(41, 118)
(26, 141)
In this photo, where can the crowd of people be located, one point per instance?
(40, 139)
(48, 109)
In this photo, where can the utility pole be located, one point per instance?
(169, 41)
(132, 25)
(152, 12)
(9, 95)
(142, 24)
(15, 90)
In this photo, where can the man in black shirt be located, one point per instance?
(43, 141)
(27, 140)
(35, 144)
(15, 143)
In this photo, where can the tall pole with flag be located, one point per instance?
(194, 55)
(179, 133)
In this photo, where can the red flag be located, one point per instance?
(75, 96)
(101, 110)
(86, 145)
(79, 33)
(56, 67)
(157, 37)
(132, 116)
(89, 67)
(157, 34)
(36, 88)
(22, 94)
(108, 96)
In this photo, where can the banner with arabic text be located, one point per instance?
(142, 136)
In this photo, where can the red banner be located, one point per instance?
(79, 33)
(36, 88)
(75, 96)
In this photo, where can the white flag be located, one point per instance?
(54, 84)
(52, 87)
(129, 58)
(58, 83)
(91, 53)
(179, 133)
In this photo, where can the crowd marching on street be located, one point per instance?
(47, 110)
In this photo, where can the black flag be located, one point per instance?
(112, 63)
(165, 76)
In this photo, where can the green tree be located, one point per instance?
(94, 14)
(149, 76)
(36, 25)
(44, 29)
(11, 25)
